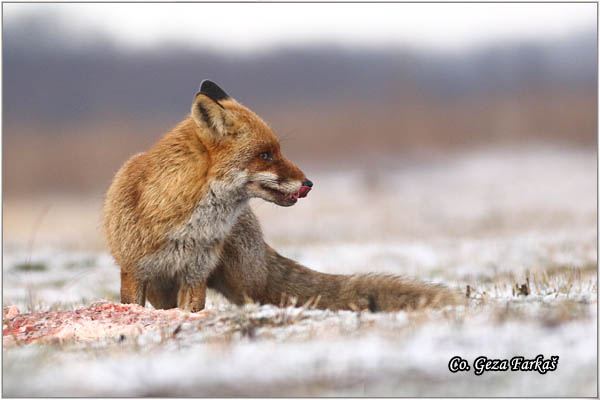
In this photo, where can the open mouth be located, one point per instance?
(288, 197)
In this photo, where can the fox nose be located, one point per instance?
(305, 188)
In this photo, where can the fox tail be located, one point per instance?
(375, 292)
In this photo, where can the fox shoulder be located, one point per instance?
(154, 192)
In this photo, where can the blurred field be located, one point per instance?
(489, 219)
(83, 157)
(333, 107)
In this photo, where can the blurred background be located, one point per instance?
(346, 86)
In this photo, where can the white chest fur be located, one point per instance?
(193, 248)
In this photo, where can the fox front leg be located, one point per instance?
(133, 291)
(193, 298)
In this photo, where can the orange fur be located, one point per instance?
(177, 219)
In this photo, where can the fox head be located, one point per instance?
(245, 154)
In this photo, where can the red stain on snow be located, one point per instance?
(97, 321)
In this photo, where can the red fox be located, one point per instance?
(177, 220)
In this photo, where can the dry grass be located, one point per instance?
(82, 158)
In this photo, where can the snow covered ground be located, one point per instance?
(489, 220)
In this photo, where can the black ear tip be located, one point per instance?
(212, 90)
(207, 83)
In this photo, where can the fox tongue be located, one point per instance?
(302, 192)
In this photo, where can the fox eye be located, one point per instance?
(266, 156)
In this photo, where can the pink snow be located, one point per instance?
(97, 321)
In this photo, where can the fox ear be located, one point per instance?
(207, 111)
(213, 91)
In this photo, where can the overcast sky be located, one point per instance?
(247, 27)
